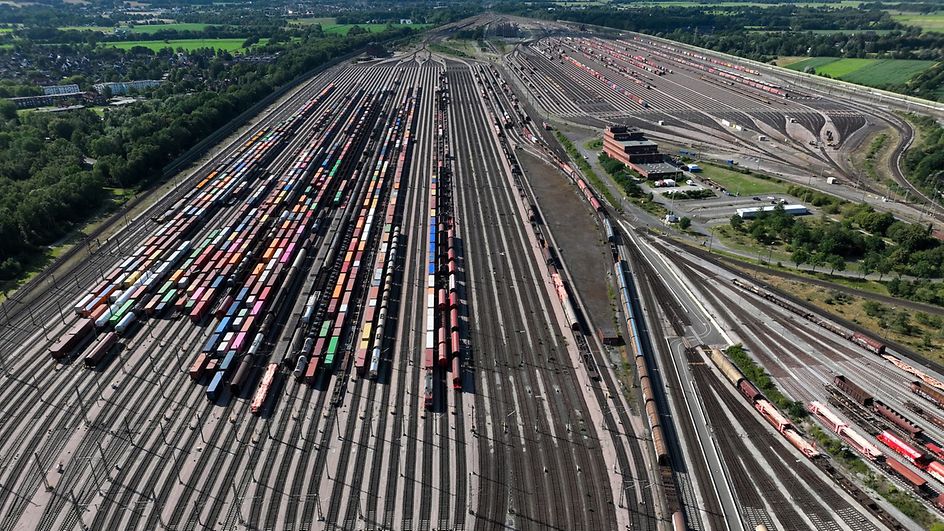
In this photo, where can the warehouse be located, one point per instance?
(793, 210)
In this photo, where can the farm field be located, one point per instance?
(872, 72)
(330, 26)
(740, 183)
(145, 28)
(927, 22)
(229, 45)
(179, 26)
(825, 31)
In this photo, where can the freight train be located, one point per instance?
(876, 347)
(627, 292)
(923, 454)
(241, 273)
(847, 434)
(759, 402)
(877, 407)
(671, 54)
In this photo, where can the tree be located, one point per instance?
(868, 264)
(901, 323)
(685, 223)
(759, 232)
(800, 257)
(875, 222)
(883, 267)
(873, 308)
(737, 223)
(898, 261)
(923, 269)
(837, 263)
(818, 259)
(7, 109)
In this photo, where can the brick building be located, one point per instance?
(629, 146)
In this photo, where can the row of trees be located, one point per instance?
(623, 176)
(766, 46)
(55, 167)
(927, 84)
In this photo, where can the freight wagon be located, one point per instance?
(99, 350)
(862, 340)
(73, 338)
(757, 400)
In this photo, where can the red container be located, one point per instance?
(456, 374)
(902, 448)
(456, 344)
(199, 365)
(905, 473)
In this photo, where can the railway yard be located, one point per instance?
(392, 302)
(734, 112)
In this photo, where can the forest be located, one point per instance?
(56, 169)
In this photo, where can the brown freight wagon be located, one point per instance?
(854, 391)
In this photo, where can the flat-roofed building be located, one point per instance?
(629, 146)
(752, 212)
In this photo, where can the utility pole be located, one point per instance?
(42, 473)
(82, 405)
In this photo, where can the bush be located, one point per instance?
(623, 176)
(756, 374)
(701, 193)
(10, 269)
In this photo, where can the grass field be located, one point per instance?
(874, 72)
(737, 182)
(229, 45)
(929, 22)
(843, 67)
(891, 71)
(312, 20)
(789, 60)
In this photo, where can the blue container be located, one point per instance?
(215, 384)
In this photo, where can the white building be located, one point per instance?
(793, 210)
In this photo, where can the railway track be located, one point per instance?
(523, 450)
